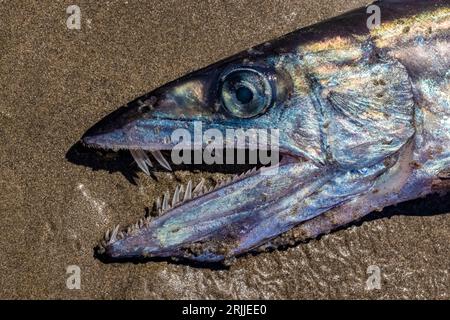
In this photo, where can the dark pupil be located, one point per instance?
(244, 95)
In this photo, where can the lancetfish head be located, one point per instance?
(342, 113)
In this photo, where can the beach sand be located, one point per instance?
(57, 201)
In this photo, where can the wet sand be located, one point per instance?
(55, 83)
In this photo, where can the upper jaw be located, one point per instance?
(148, 122)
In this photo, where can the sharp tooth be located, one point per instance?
(199, 187)
(114, 234)
(180, 193)
(160, 158)
(176, 196)
(107, 235)
(188, 192)
(141, 159)
(158, 204)
(165, 204)
(147, 159)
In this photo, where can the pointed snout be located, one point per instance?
(110, 131)
(148, 122)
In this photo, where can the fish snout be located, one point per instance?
(111, 131)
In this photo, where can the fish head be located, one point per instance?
(338, 131)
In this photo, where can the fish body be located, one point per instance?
(363, 116)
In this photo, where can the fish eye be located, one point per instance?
(245, 92)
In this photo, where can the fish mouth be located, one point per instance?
(192, 222)
(216, 224)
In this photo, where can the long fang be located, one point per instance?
(161, 160)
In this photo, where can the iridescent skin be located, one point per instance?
(364, 119)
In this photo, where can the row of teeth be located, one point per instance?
(181, 195)
(143, 161)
